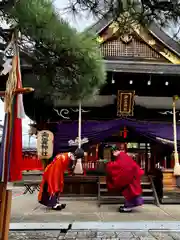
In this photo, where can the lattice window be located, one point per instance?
(136, 48)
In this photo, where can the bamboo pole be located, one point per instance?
(176, 157)
(175, 133)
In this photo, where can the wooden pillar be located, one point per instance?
(5, 211)
(153, 158)
(86, 157)
(97, 152)
(172, 163)
(2, 207)
(7, 215)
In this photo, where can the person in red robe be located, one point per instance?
(53, 181)
(124, 175)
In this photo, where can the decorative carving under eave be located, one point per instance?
(126, 38)
(169, 112)
(65, 112)
(127, 35)
(166, 113)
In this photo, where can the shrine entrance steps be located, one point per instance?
(149, 192)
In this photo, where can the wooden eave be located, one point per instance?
(142, 67)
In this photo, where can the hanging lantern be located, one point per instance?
(45, 144)
(123, 133)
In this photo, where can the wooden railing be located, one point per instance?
(91, 165)
(33, 163)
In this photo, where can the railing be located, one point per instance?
(154, 191)
(33, 163)
(91, 165)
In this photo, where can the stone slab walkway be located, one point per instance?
(29, 210)
(82, 215)
(96, 235)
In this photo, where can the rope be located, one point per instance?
(79, 125)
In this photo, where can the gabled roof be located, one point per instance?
(164, 38)
(155, 30)
(154, 37)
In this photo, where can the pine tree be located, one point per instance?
(65, 63)
(141, 11)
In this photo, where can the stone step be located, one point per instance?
(120, 199)
(148, 190)
(142, 183)
(144, 190)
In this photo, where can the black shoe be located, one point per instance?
(63, 206)
(59, 207)
(123, 209)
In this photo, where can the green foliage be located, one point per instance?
(66, 63)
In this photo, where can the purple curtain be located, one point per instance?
(97, 131)
(162, 130)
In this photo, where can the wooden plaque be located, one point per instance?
(125, 103)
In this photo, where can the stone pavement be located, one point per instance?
(96, 235)
(16, 191)
(25, 208)
(83, 214)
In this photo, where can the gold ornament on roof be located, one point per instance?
(100, 39)
(151, 42)
(114, 26)
(126, 38)
(175, 97)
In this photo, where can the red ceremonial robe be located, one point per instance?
(124, 175)
(54, 175)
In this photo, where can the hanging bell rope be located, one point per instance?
(79, 126)
(79, 152)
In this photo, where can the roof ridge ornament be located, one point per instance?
(126, 37)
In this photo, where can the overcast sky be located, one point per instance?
(80, 22)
